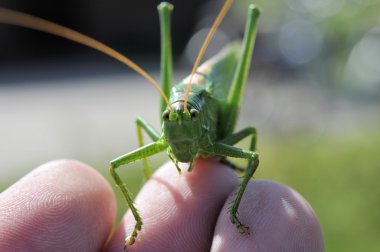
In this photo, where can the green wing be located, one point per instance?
(217, 73)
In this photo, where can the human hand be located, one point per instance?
(67, 206)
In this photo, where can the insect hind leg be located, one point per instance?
(231, 111)
(164, 10)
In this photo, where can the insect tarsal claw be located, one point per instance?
(244, 230)
(129, 241)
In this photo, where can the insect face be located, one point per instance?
(183, 130)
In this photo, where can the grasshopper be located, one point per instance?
(199, 114)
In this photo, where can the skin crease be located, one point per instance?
(67, 206)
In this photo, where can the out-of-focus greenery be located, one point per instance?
(323, 38)
(337, 174)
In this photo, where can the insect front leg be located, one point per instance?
(222, 149)
(142, 152)
(141, 124)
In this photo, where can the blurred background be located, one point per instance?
(313, 94)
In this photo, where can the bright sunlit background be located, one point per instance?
(313, 93)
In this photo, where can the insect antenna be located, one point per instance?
(227, 5)
(24, 20)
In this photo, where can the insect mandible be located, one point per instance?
(198, 115)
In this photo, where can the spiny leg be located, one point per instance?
(142, 152)
(233, 139)
(222, 149)
(141, 124)
(251, 168)
(237, 137)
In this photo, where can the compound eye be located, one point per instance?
(165, 115)
(194, 114)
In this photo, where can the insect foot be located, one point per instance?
(243, 229)
(129, 241)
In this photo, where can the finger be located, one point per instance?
(179, 212)
(279, 218)
(60, 206)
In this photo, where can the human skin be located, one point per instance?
(66, 205)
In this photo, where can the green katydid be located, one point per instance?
(198, 118)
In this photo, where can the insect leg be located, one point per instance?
(221, 149)
(174, 160)
(141, 124)
(142, 152)
(152, 133)
(240, 135)
(235, 138)
(164, 10)
(230, 114)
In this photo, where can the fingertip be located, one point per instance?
(280, 219)
(63, 204)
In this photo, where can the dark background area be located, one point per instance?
(126, 25)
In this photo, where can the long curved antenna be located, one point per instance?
(21, 19)
(227, 5)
